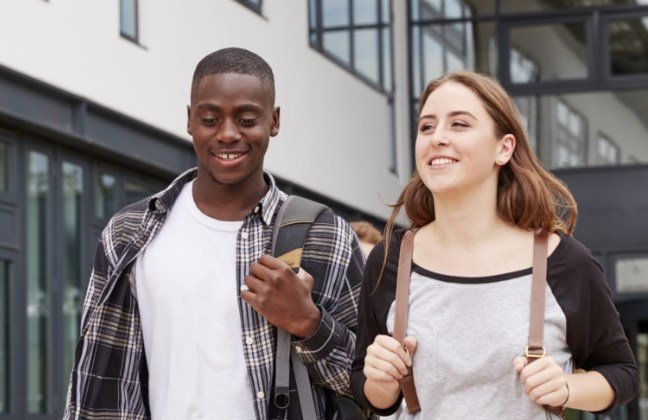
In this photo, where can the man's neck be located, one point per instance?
(227, 202)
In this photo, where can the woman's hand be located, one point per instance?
(544, 381)
(385, 363)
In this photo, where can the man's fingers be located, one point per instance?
(306, 277)
(271, 262)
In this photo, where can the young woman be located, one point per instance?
(477, 198)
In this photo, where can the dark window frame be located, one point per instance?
(256, 8)
(316, 41)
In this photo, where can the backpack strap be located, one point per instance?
(289, 233)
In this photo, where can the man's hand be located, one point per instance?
(544, 381)
(281, 296)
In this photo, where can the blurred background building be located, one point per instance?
(92, 117)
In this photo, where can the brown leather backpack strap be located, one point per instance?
(535, 348)
(400, 318)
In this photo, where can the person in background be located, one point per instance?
(368, 235)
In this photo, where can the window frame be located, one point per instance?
(256, 8)
(136, 37)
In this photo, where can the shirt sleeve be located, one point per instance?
(594, 333)
(334, 258)
(374, 306)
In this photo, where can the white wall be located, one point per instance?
(333, 137)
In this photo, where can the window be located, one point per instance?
(4, 167)
(129, 19)
(607, 152)
(632, 274)
(72, 261)
(525, 70)
(105, 196)
(38, 267)
(628, 46)
(252, 4)
(570, 138)
(355, 34)
(5, 331)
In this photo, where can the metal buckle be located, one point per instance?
(537, 356)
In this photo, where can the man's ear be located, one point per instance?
(274, 128)
(189, 120)
(505, 148)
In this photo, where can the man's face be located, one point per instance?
(231, 119)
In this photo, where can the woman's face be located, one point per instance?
(456, 146)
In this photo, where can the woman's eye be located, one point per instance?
(459, 124)
(426, 127)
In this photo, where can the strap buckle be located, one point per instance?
(533, 353)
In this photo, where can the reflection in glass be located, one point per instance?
(628, 43)
(518, 6)
(607, 151)
(71, 262)
(631, 275)
(5, 330)
(450, 9)
(571, 138)
(366, 53)
(105, 196)
(561, 49)
(335, 13)
(135, 192)
(38, 204)
(337, 44)
(387, 61)
(128, 18)
(4, 167)
(365, 12)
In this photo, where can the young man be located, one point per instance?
(182, 309)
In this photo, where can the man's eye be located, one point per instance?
(247, 122)
(209, 121)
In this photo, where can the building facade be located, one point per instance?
(93, 99)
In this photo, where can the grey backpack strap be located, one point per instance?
(293, 221)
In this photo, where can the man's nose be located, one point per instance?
(228, 131)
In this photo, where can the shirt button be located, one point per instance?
(260, 395)
(244, 235)
(298, 349)
(256, 209)
(249, 340)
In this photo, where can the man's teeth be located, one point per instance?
(442, 161)
(229, 156)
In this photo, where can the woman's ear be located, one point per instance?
(505, 148)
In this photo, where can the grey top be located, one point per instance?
(470, 329)
(468, 333)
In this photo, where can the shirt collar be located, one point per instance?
(267, 206)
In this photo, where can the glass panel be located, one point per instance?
(105, 196)
(513, 6)
(366, 53)
(607, 150)
(632, 275)
(386, 11)
(559, 49)
(628, 40)
(337, 44)
(135, 192)
(450, 9)
(335, 13)
(38, 204)
(312, 13)
(72, 262)
(128, 18)
(528, 108)
(365, 12)
(569, 127)
(387, 61)
(4, 167)
(444, 48)
(642, 361)
(5, 338)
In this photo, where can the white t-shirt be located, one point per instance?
(187, 295)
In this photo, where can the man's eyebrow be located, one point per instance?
(240, 108)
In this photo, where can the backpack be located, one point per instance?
(289, 234)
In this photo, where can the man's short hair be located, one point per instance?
(233, 60)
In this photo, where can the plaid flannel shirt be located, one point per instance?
(110, 378)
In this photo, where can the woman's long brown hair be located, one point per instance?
(528, 195)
